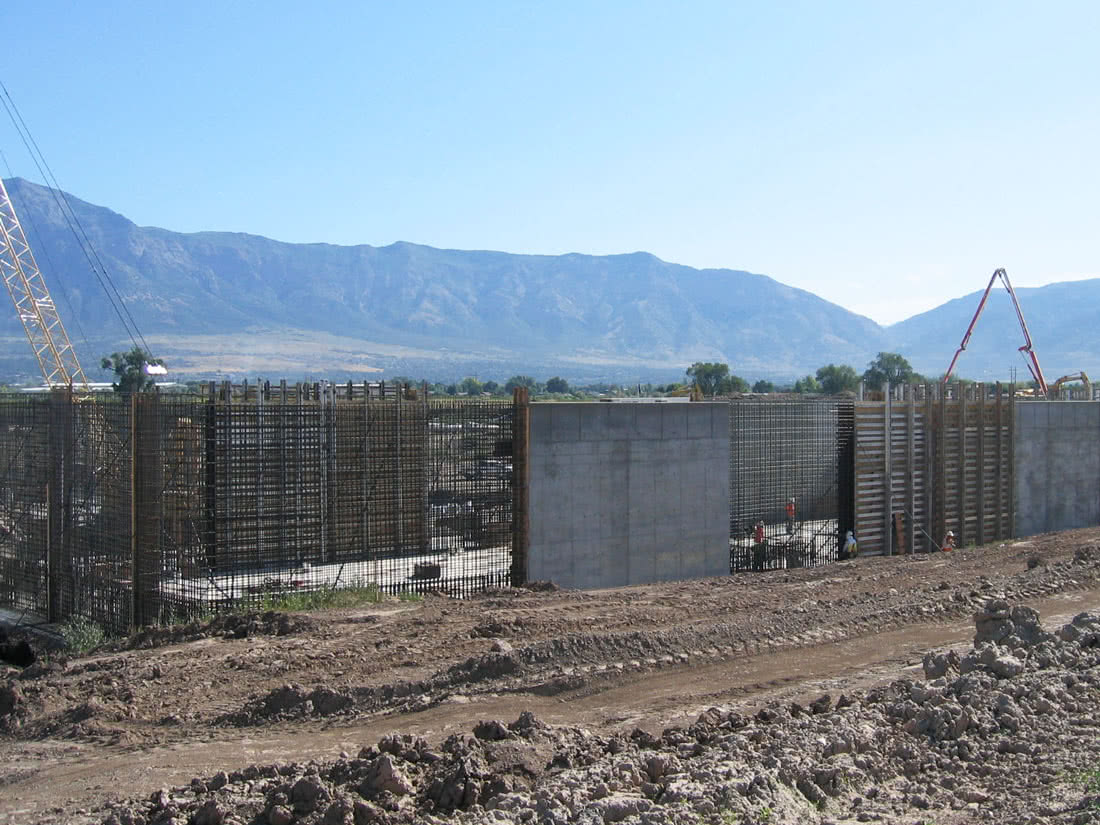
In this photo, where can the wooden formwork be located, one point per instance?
(927, 462)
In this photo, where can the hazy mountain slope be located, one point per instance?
(579, 312)
(1064, 320)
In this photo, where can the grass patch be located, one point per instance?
(82, 635)
(1091, 780)
(409, 596)
(345, 597)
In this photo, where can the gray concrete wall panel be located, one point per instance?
(628, 493)
(1057, 466)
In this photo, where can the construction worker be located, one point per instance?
(851, 548)
(949, 542)
(759, 547)
(790, 517)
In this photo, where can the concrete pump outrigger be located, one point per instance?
(1032, 360)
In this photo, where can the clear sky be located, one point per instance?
(886, 156)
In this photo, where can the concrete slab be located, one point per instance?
(565, 422)
(629, 473)
(674, 422)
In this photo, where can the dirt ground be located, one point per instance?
(172, 707)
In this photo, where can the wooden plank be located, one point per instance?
(980, 462)
(888, 421)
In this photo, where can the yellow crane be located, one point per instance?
(34, 305)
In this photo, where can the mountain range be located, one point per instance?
(231, 305)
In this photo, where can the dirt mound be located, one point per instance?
(999, 742)
(648, 656)
(226, 625)
(291, 702)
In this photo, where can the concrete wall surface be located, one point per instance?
(628, 493)
(1057, 465)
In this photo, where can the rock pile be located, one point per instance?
(1006, 732)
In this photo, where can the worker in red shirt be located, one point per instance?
(759, 547)
(949, 542)
(790, 517)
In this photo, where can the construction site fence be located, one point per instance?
(156, 508)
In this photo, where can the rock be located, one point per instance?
(660, 765)
(307, 794)
(501, 646)
(617, 808)
(821, 704)
(339, 812)
(938, 664)
(1087, 553)
(19, 654)
(327, 702)
(1084, 630)
(385, 775)
(278, 815)
(1003, 665)
(209, 814)
(218, 780)
(971, 794)
(527, 723)
(364, 813)
(993, 622)
(11, 699)
(283, 699)
(491, 731)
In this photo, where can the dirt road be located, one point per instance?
(180, 703)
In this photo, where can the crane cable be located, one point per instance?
(61, 199)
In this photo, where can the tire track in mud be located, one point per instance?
(651, 700)
(587, 663)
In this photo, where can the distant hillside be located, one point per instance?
(217, 304)
(1063, 320)
(574, 313)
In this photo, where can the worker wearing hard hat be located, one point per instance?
(790, 517)
(949, 542)
(851, 547)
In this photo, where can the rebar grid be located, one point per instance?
(781, 452)
(155, 509)
(24, 530)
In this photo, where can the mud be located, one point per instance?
(593, 666)
(1007, 738)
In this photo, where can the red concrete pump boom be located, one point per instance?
(1032, 359)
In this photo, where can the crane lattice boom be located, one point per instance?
(34, 305)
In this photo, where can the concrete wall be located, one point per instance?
(1057, 466)
(628, 493)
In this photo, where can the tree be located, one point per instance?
(556, 384)
(470, 386)
(807, 385)
(837, 379)
(889, 367)
(709, 377)
(520, 381)
(490, 387)
(763, 386)
(735, 383)
(129, 367)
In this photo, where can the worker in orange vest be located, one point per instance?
(790, 517)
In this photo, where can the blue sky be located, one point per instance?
(885, 156)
